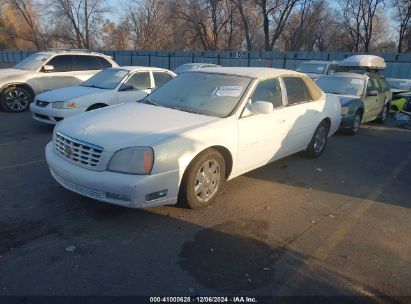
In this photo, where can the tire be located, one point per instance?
(199, 186)
(96, 106)
(16, 99)
(356, 124)
(318, 142)
(383, 115)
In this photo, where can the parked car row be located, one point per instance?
(162, 139)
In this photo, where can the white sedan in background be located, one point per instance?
(108, 87)
(181, 142)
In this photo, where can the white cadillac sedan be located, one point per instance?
(185, 139)
(108, 87)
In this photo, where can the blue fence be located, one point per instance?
(398, 65)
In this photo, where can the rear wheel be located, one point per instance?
(383, 114)
(318, 141)
(203, 180)
(16, 99)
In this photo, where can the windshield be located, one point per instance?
(341, 85)
(316, 68)
(203, 93)
(106, 79)
(33, 62)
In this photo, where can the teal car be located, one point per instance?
(364, 97)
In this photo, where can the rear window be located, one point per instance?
(161, 78)
(86, 63)
(297, 90)
(104, 64)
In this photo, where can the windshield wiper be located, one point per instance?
(150, 102)
(93, 86)
(184, 110)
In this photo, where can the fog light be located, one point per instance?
(156, 195)
(120, 197)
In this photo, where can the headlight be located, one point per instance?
(344, 110)
(134, 160)
(64, 105)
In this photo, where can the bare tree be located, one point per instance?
(402, 14)
(359, 17)
(275, 14)
(34, 32)
(78, 22)
(205, 20)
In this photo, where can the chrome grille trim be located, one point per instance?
(78, 151)
(79, 189)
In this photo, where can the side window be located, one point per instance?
(268, 90)
(373, 85)
(86, 63)
(62, 63)
(161, 78)
(384, 85)
(103, 63)
(140, 81)
(297, 90)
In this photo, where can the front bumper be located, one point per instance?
(101, 186)
(52, 116)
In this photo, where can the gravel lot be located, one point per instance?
(337, 225)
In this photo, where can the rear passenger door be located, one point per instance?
(86, 66)
(136, 87)
(303, 112)
(61, 76)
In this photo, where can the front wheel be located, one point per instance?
(318, 141)
(16, 99)
(203, 180)
(355, 124)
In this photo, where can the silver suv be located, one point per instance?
(45, 71)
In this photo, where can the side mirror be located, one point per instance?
(372, 93)
(262, 107)
(48, 68)
(126, 87)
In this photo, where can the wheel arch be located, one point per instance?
(18, 84)
(97, 105)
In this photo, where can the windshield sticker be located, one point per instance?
(120, 74)
(227, 91)
(356, 81)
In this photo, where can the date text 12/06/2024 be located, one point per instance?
(198, 299)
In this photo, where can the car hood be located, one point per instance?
(130, 124)
(69, 93)
(12, 72)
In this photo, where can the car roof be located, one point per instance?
(199, 63)
(319, 61)
(139, 68)
(254, 72)
(347, 74)
(72, 52)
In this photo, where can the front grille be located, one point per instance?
(80, 152)
(41, 103)
(78, 189)
(42, 116)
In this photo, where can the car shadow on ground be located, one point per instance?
(377, 157)
(98, 249)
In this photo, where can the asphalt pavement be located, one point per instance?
(336, 225)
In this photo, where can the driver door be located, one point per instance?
(136, 87)
(261, 135)
(61, 76)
